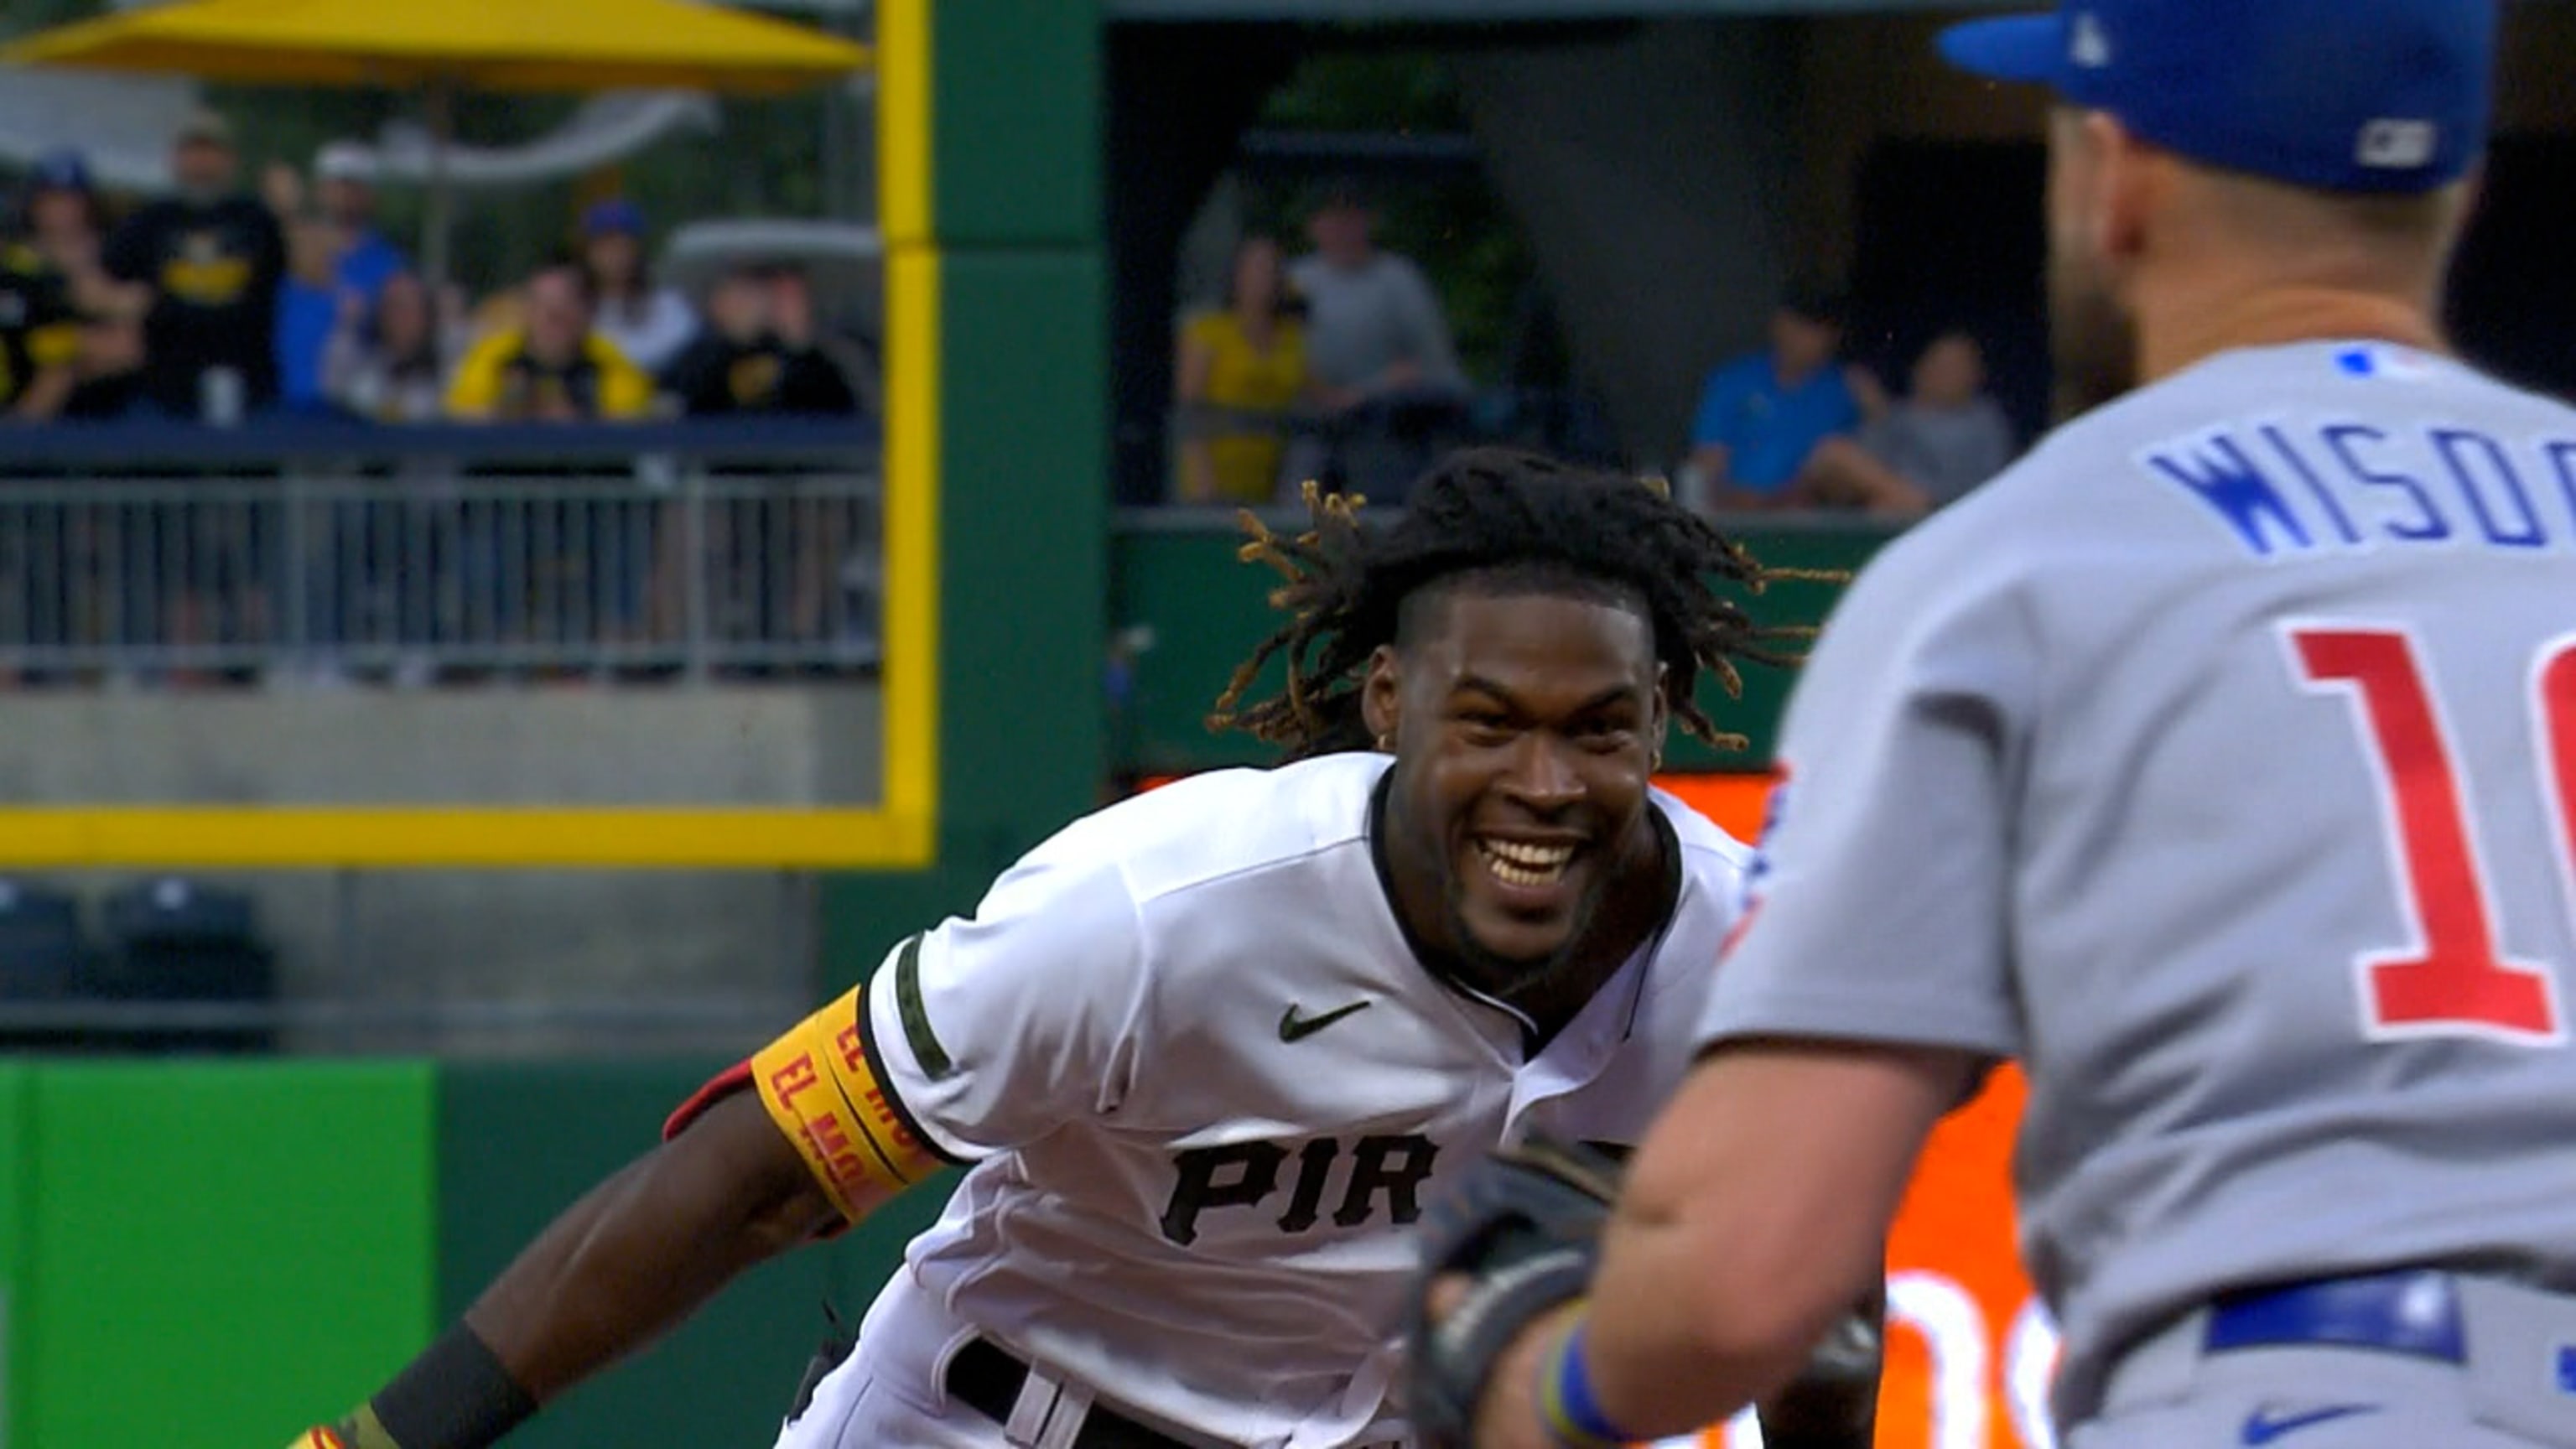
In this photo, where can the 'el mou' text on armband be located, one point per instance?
(822, 1091)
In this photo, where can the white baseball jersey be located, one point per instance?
(2219, 762)
(1206, 1085)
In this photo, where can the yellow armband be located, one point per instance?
(822, 1091)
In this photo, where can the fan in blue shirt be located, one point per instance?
(360, 262)
(1761, 416)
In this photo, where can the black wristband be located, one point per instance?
(456, 1395)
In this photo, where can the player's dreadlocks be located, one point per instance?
(1495, 509)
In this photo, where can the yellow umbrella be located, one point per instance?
(502, 45)
(442, 46)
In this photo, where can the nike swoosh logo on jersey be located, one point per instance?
(2263, 1425)
(1292, 1027)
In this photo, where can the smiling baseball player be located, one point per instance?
(2218, 762)
(1208, 1052)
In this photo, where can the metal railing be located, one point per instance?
(418, 554)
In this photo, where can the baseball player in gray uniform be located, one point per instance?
(2218, 763)
(1206, 1052)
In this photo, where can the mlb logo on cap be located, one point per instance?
(2337, 95)
(2399, 145)
(2086, 45)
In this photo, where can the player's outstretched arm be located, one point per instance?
(644, 1249)
(633, 1257)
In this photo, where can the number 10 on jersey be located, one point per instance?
(2456, 981)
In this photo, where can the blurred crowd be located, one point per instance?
(1339, 366)
(220, 301)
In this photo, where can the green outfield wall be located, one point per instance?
(223, 1252)
(207, 1253)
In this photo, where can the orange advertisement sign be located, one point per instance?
(1733, 801)
(1968, 1349)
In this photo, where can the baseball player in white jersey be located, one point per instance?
(2219, 763)
(1207, 1052)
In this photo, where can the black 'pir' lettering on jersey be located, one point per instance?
(1246, 1174)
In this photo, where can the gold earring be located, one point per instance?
(1386, 744)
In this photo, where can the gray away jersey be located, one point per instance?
(1207, 1089)
(2219, 762)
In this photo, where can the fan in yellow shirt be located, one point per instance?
(1242, 370)
(551, 367)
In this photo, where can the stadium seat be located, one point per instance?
(42, 956)
(174, 939)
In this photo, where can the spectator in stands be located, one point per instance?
(649, 324)
(40, 330)
(340, 258)
(1947, 436)
(823, 528)
(1242, 368)
(1380, 352)
(387, 362)
(66, 226)
(799, 322)
(1373, 326)
(553, 366)
(40, 338)
(758, 352)
(202, 269)
(1761, 416)
(64, 236)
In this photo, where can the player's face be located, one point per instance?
(2092, 338)
(1526, 726)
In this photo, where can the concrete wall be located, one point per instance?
(720, 745)
(1666, 263)
(721, 956)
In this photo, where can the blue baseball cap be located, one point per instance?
(2384, 96)
(61, 169)
(613, 217)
